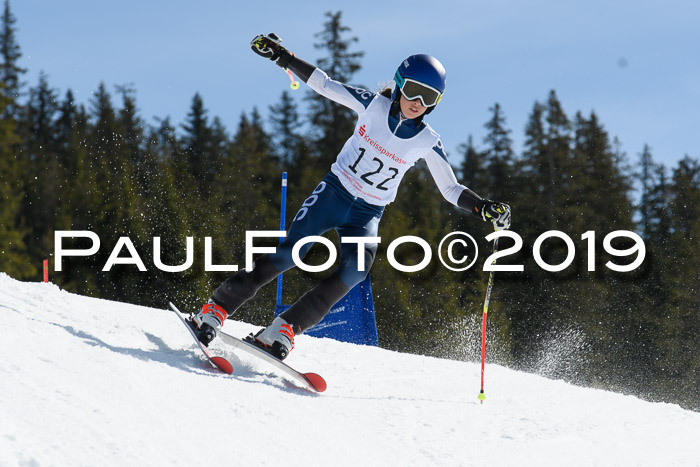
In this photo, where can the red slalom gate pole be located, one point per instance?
(482, 396)
(46, 271)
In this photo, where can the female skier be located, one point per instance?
(389, 137)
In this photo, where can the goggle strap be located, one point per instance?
(399, 79)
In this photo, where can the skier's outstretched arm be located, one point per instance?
(460, 195)
(268, 46)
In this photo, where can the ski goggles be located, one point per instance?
(412, 89)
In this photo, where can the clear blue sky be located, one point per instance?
(635, 63)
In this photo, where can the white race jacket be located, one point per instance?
(374, 159)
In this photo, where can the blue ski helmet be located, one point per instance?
(420, 77)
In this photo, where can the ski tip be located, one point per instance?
(222, 364)
(316, 381)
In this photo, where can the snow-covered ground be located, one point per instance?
(99, 383)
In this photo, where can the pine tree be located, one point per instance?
(103, 152)
(169, 205)
(201, 168)
(472, 171)
(163, 139)
(595, 169)
(680, 329)
(499, 158)
(47, 182)
(294, 151)
(332, 123)
(111, 199)
(685, 203)
(198, 140)
(534, 179)
(544, 170)
(40, 112)
(654, 302)
(286, 125)
(131, 124)
(250, 174)
(557, 153)
(659, 216)
(14, 258)
(599, 202)
(645, 178)
(71, 130)
(655, 222)
(534, 302)
(10, 71)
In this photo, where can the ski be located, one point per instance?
(311, 381)
(218, 362)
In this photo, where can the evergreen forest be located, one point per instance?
(99, 166)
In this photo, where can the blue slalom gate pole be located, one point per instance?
(283, 211)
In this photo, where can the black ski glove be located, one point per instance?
(268, 46)
(497, 213)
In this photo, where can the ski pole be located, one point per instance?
(482, 396)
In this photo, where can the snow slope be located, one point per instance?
(92, 382)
